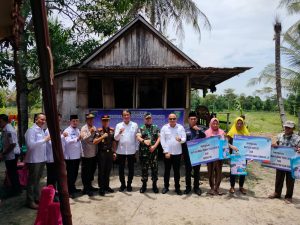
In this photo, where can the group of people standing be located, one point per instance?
(101, 146)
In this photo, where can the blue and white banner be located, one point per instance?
(204, 150)
(238, 164)
(281, 158)
(160, 116)
(295, 166)
(224, 149)
(255, 148)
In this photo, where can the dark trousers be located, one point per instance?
(174, 161)
(130, 162)
(105, 162)
(88, 169)
(290, 181)
(52, 175)
(215, 174)
(72, 166)
(35, 173)
(11, 169)
(241, 180)
(188, 172)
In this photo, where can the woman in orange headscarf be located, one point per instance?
(238, 128)
(214, 168)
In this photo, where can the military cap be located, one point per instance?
(105, 117)
(89, 116)
(147, 115)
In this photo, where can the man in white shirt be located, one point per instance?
(52, 176)
(72, 154)
(172, 136)
(125, 135)
(10, 153)
(88, 160)
(35, 159)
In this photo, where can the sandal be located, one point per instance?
(211, 192)
(243, 190)
(218, 192)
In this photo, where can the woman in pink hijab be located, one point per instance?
(214, 168)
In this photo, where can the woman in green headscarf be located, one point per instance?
(238, 128)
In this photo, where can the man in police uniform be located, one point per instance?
(10, 152)
(89, 150)
(192, 132)
(148, 136)
(104, 137)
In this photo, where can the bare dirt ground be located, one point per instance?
(149, 208)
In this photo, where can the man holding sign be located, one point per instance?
(192, 132)
(289, 139)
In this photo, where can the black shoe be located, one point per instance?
(85, 191)
(143, 189)
(178, 192)
(198, 191)
(76, 190)
(93, 188)
(165, 190)
(101, 192)
(109, 190)
(129, 188)
(154, 188)
(90, 193)
(187, 191)
(122, 188)
(72, 195)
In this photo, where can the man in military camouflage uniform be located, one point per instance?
(106, 154)
(148, 136)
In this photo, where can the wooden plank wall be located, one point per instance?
(139, 48)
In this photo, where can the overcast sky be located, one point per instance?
(242, 35)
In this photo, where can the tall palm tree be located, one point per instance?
(293, 6)
(162, 12)
(290, 76)
(277, 29)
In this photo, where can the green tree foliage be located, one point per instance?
(164, 12)
(6, 68)
(293, 103)
(219, 103)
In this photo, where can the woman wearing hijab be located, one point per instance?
(238, 128)
(214, 168)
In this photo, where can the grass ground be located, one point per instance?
(260, 122)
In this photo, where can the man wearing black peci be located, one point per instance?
(192, 132)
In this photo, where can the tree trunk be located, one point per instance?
(277, 29)
(47, 75)
(22, 102)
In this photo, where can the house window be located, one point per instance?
(95, 93)
(151, 93)
(123, 91)
(176, 93)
